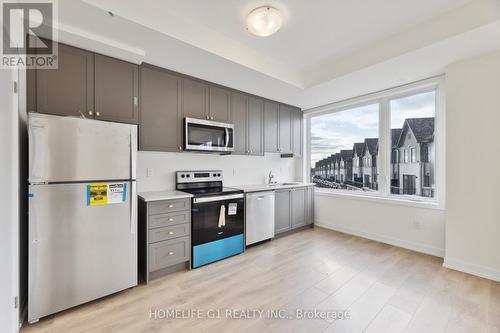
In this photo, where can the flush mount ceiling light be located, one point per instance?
(264, 21)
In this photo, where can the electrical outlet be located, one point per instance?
(416, 225)
(150, 172)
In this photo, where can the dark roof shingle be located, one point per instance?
(422, 128)
(372, 145)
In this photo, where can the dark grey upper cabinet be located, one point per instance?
(256, 126)
(285, 129)
(298, 199)
(297, 133)
(219, 104)
(282, 211)
(271, 127)
(239, 107)
(67, 90)
(116, 90)
(194, 99)
(160, 118)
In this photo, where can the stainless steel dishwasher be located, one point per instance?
(259, 216)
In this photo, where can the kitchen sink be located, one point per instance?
(283, 184)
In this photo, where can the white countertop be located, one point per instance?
(265, 187)
(163, 195)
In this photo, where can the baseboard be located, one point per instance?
(474, 269)
(417, 247)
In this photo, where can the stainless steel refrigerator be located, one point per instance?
(82, 211)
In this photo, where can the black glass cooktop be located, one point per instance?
(211, 191)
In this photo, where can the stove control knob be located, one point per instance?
(182, 176)
(188, 175)
(218, 175)
(215, 175)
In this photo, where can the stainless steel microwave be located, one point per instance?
(207, 135)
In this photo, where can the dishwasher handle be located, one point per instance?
(260, 195)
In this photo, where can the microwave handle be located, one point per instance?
(227, 136)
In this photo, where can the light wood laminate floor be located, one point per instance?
(382, 287)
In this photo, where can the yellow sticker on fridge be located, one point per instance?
(105, 194)
(97, 194)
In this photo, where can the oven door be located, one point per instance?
(206, 213)
(206, 135)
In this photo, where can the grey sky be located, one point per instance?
(335, 131)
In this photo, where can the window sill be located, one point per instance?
(427, 204)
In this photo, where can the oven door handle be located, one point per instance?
(217, 198)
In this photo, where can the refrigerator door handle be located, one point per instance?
(133, 153)
(37, 151)
(133, 207)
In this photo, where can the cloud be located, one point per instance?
(335, 131)
(416, 106)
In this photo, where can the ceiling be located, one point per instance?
(314, 33)
(337, 50)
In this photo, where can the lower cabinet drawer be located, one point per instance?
(167, 253)
(167, 206)
(164, 220)
(166, 233)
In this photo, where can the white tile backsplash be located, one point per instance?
(156, 170)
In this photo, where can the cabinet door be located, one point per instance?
(160, 122)
(298, 207)
(239, 106)
(310, 205)
(255, 126)
(297, 133)
(69, 89)
(194, 99)
(116, 90)
(282, 211)
(271, 129)
(219, 104)
(285, 129)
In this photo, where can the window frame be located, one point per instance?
(383, 99)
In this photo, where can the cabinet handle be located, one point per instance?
(170, 253)
(212, 118)
(170, 220)
(180, 148)
(208, 117)
(170, 232)
(90, 112)
(98, 114)
(171, 206)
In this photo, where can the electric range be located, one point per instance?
(217, 216)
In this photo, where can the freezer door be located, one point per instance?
(78, 252)
(65, 149)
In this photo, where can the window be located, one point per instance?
(425, 154)
(349, 133)
(337, 136)
(415, 115)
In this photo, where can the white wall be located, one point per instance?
(419, 229)
(473, 136)
(9, 207)
(238, 170)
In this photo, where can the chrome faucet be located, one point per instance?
(270, 178)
